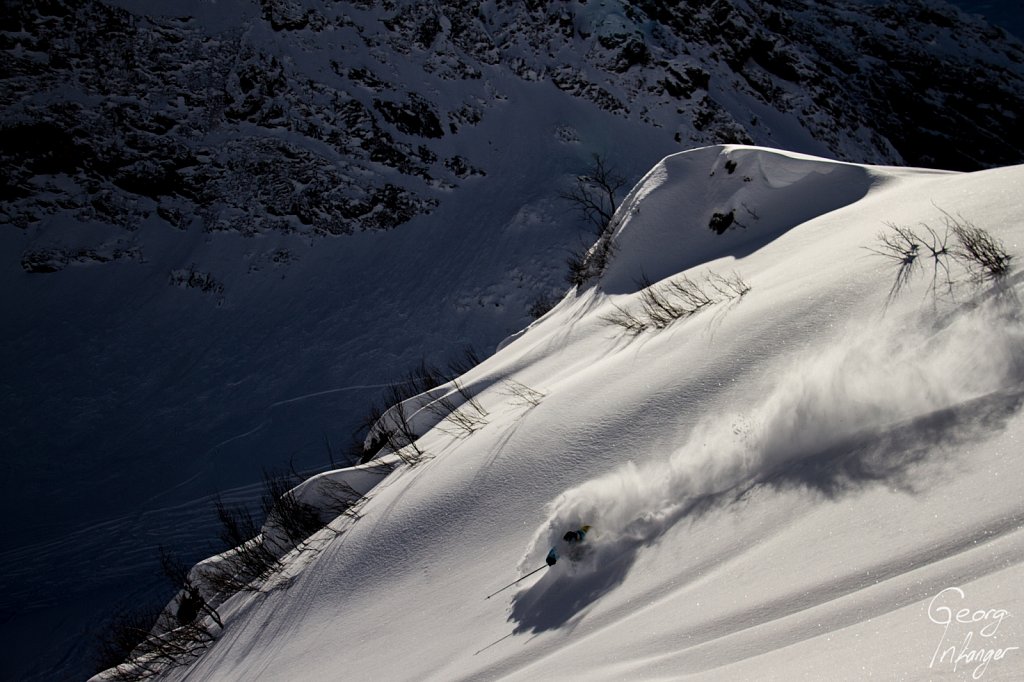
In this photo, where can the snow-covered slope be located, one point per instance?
(802, 482)
(225, 225)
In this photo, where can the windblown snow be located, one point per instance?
(818, 477)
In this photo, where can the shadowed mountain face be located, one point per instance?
(328, 117)
(1005, 14)
(294, 201)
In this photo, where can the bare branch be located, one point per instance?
(901, 246)
(980, 254)
(664, 303)
(593, 195)
(523, 394)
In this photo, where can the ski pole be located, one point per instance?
(516, 581)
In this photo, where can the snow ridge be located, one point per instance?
(774, 487)
(735, 199)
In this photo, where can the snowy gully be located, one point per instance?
(965, 633)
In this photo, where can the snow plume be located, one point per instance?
(865, 408)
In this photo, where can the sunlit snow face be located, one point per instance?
(828, 411)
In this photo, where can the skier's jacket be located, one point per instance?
(576, 535)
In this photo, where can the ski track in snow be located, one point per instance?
(332, 391)
(299, 399)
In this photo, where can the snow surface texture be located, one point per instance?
(800, 483)
(183, 307)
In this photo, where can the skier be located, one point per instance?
(573, 538)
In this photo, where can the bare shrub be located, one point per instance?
(590, 262)
(294, 519)
(340, 498)
(730, 287)
(678, 298)
(981, 255)
(902, 247)
(523, 394)
(391, 427)
(122, 635)
(191, 602)
(144, 643)
(664, 303)
(464, 417)
(631, 322)
(594, 197)
(254, 551)
(466, 360)
(420, 379)
(469, 398)
(160, 651)
(367, 440)
(400, 436)
(578, 273)
(540, 305)
(248, 560)
(937, 248)
(593, 194)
